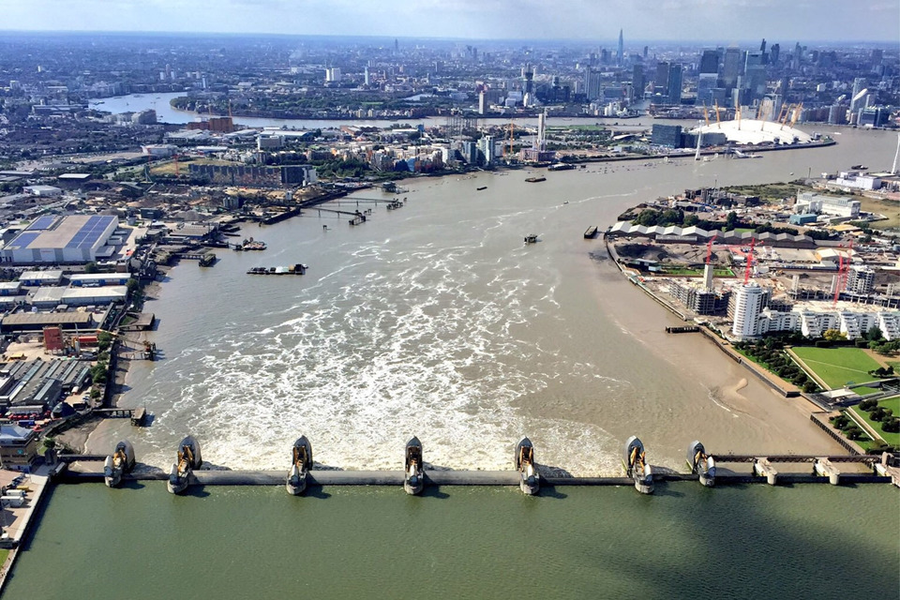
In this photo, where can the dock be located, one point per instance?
(683, 329)
(296, 269)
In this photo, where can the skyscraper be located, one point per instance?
(637, 81)
(661, 83)
(709, 62)
(731, 67)
(620, 51)
(673, 92)
(592, 84)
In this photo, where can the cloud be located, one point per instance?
(600, 20)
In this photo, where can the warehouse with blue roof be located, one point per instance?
(61, 240)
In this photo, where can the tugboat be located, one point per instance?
(637, 467)
(701, 463)
(530, 482)
(413, 475)
(121, 461)
(188, 459)
(301, 457)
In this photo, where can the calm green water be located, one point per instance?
(808, 541)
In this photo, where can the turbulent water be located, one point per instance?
(436, 320)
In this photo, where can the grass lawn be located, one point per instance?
(888, 208)
(3, 554)
(894, 404)
(838, 366)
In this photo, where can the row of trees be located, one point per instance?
(846, 425)
(881, 414)
(770, 353)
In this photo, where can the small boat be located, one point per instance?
(701, 463)
(531, 238)
(119, 462)
(561, 167)
(859, 167)
(530, 482)
(301, 463)
(484, 187)
(413, 473)
(189, 458)
(535, 179)
(636, 465)
(590, 233)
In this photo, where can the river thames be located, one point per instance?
(436, 320)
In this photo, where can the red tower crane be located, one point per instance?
(843, 267)
(749, 267)
(709, 247)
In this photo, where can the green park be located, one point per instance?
(838, 367)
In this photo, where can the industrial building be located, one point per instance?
(30, 322)
(98, 279)
(60, 240)
(839, 206)
(18, 448)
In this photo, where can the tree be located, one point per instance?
(874, 333)
(91, 267)
(731, 221)
(834, 335)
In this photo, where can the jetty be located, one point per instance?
(295, 269)
(683, 329)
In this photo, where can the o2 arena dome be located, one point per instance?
(755, 132)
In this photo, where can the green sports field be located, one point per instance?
(838, 366)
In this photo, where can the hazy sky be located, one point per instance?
(721, 21)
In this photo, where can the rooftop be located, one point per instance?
(79, 231)
(752, 131)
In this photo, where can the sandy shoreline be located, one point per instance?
(130, 344)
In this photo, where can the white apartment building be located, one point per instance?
(749, 303)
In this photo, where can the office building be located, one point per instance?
(666, 135)
(673, 89)
(661, 83)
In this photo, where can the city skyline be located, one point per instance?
(724, 22)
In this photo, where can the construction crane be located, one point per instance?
(512, 131)
(749, 267)
(842, 273)
(709, 247)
